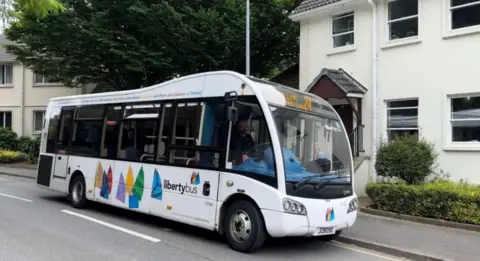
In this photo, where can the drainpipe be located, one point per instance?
(22, 105)
(374, 90)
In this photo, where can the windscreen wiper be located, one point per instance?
(303, 182)
(322, 185)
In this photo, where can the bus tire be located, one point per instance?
(244, 227)
(78, 196)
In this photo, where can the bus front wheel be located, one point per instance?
(244, 227)
(77, 195)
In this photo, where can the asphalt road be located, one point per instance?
(36, 224)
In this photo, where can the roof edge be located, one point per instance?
(311, 13)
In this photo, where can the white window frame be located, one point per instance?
(335, 16)
(389, 22)
(43, 120)
(448, 31)
(387, 109)
(2, 124)
(3, 71)
(39, 83)
(449, 143)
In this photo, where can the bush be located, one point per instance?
(442, 200)
(29, 146)
(406, 157)
(7, 156)
(8, 139)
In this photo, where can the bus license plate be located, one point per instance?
(325, 231)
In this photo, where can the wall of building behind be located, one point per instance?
(23, 94)
(430, 67)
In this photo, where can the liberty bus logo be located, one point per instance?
(330, 215)
(184, 188)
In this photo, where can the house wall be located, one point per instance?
(430, 67)
(24, 95)
(316, 53)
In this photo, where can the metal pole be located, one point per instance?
(247, 39)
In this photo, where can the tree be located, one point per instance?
(13, 10)
(132, 43)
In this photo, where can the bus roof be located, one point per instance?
(202, 85)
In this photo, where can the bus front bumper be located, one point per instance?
(280, 224)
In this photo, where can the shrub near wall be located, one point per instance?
(450, 201)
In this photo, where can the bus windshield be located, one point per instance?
(315, 148)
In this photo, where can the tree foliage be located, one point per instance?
(132, 43)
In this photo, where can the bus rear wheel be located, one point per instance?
(244, 227)
(78, 197)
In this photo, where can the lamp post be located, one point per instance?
(247, 38)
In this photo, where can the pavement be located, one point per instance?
(36, 224)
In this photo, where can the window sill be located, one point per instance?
(47, 85)
(6, 86)
(467, 146)
(461, 32)
(342, 49)
(401, 42)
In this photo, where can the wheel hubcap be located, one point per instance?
(240, 226)
(77, 191)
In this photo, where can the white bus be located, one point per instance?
(242, 156)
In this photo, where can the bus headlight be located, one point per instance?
(353, 205)
(293, 207)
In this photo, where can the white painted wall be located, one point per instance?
(437, 63)
(24, 95)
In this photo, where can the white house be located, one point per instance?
(24, 95)
(406, 66)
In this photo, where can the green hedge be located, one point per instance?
(457, 202)
(28, 146)
(12, 156)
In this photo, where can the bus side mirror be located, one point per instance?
(232, 114)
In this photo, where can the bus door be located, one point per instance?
(64, 132)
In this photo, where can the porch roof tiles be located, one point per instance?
(341, 79)
(308, 5)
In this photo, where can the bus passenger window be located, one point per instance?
(112, 130)
(139, 132)
(87, 131)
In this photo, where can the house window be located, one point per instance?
(402, 19)
(464, 13)
(343, 29)
(465, 119)
(5, 119)
(40, 79)
(6, 76)
(402, 117)
(38, 117)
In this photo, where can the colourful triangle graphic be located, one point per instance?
(157, 191)
(109, 178)
(129, 182)
(133, 201)
(104, 193)
(121, 189)
(99, 176)
(138, 187)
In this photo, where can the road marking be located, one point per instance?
(10, 196)
(133, 233)
(363, 251)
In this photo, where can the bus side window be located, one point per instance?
(53, 129)
(196, 124)
(87, 131)
(140, 131)
(111, 133)
(247, 144)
